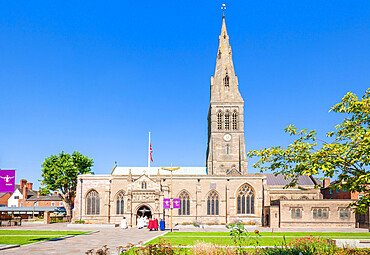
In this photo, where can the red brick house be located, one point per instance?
(336, 193)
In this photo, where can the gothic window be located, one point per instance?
(227, 120)
(227, 149)
(219, 120)
(93, 203)
(245, 200)
(143, 185)
(234, 120)
(120, 204)
(226, 81)
(296, 213)
(320, 213)
(184, 204)
(212, 203)
(344, 213)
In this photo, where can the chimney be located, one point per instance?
(38, 193)
(25, 192)
(23, 183)
(326, 182)
(29, 186)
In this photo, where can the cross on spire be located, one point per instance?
(223, 8)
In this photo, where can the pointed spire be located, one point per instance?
(223, 29)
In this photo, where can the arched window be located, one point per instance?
(234, 120)
(143, 185)
(226, 80)
(227, 149)
(219, 120)
(93, 203)
(184, 204)
(120, 204)
(227, 120)
(245, 200)
(212, 203)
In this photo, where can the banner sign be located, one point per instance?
(176, 203)
(7, 181)
(166, 203)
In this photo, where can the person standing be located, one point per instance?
(124, 223)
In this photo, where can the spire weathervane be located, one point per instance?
(223, 8)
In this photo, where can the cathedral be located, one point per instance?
(220, 193)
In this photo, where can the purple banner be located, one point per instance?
(176, 203)
(166, 203)
(7, 181)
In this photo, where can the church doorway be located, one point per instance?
(144, 211)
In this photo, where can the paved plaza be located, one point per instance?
(112, 237)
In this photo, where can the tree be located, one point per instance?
(59, 173)
(346, 154)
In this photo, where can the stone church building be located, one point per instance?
(222, 192)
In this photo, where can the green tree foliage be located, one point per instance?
(59, 173)
(346, 154)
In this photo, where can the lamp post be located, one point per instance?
(171, 169)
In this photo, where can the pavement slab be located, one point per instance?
(80, 244)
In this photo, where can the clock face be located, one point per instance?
(227, 137)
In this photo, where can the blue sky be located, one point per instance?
(96, 76)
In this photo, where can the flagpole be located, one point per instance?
(149, 156)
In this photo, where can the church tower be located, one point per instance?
(226, 145)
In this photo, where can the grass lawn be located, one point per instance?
(266, 238)
(23, 237)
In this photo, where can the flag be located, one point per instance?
(167, 203)
(7, 181)
(151, 150)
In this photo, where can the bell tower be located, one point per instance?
(226, 145)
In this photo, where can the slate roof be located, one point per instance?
(45, 198)
(154, 171)
(280, 180)
(2, 194)
(28, 209)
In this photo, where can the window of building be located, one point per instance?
(36, 204)
(61, 203)
(360, 196)
(212, 203)
(331, 191)
(219, 120)
(344, 213)
(234, 120)
(52, 203)
(92, 203)
(337, 190)
(143, 185)
(120, 204)
(184, 203)
(320, 213)
(227, 149)
(16, 197)
(227, 120)
(296, 213)
(226, 80)
(344, 190)
(245, 200)
(20, 204)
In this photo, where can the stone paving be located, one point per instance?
(112, 237)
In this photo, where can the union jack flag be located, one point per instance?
(151, 150)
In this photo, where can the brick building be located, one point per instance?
(329, 193)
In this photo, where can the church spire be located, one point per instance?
(224, 84)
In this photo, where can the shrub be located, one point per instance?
(202, 248)
(80, 222)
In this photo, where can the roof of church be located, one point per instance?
(154, 170)
(279, 180)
